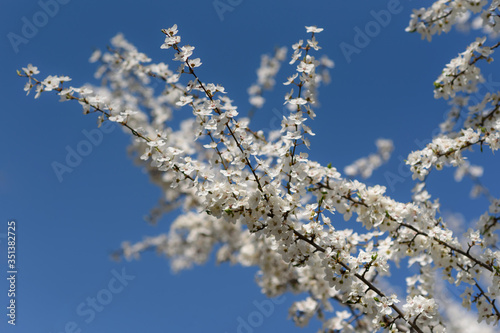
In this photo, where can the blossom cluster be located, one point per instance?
(264, 203)
(366, 165)
(269, 67)
(480, 125)
(442, 15)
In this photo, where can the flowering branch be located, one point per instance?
(266, 204)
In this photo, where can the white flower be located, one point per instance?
(297, 101)
(171, 31)
(183, 100)
(305, 67)
(194, 62)
(419, 305)
(185, 52)
(313, 28)
(290, 79)
(31, 70)
(53, 82)
(474, 236)
(169, 41)
(122, 116)
(158, 142)
(170, 38)
(385, 304)
(96, 55)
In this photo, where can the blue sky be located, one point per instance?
(67, 230)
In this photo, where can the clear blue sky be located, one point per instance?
(68, 229)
